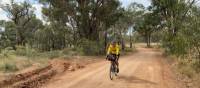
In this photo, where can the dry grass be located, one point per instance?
(14, 63)
(189, 69)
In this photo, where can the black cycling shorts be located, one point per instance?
(112, 57)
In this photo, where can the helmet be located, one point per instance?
(114, 42)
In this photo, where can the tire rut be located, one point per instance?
(7, 83)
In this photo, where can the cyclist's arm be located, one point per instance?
(117, 50)
(108, 51)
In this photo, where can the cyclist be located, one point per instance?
(113, 49)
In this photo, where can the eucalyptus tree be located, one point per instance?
(20, 14)
(135, 12)
(174, 15)
(8, 35)
(173, 12)
(85, 16)
(147, 25)
(130, 16)
(191, 33)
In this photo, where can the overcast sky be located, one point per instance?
(125, 3)
(38, 6)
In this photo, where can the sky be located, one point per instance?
(34, 3)
(38, 6)
(125, 3)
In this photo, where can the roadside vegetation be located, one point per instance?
(86, 27)
(180, 29)
(25, 39)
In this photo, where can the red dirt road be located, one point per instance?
(144, 69)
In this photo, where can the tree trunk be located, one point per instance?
(131, 44)
(198, 50)
(122, 41)
(148, 40)
(105, 40)
(123, 45)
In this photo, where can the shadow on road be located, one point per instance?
(132, 79)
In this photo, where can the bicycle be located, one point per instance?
(113, 66)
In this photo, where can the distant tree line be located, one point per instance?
(85, 24)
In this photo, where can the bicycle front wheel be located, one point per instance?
(112, 71)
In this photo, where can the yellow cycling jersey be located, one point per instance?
(113, 49)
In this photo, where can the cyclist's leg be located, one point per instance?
(117, 67)
(116, 62)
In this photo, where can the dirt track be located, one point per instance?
(144, 69)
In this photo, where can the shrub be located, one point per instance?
(91, 47)
(129, 49)
(6, 52)
(51, 54)
(196, 66)
(9, 67)
(188, 71)
(66, 51)
(72, 51)
(77, 51)
(188, 67)
(25, 51)
(175, 45)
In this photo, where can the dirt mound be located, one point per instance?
(36, 81)
(37, 77)
(23, 76)
(62, 65)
